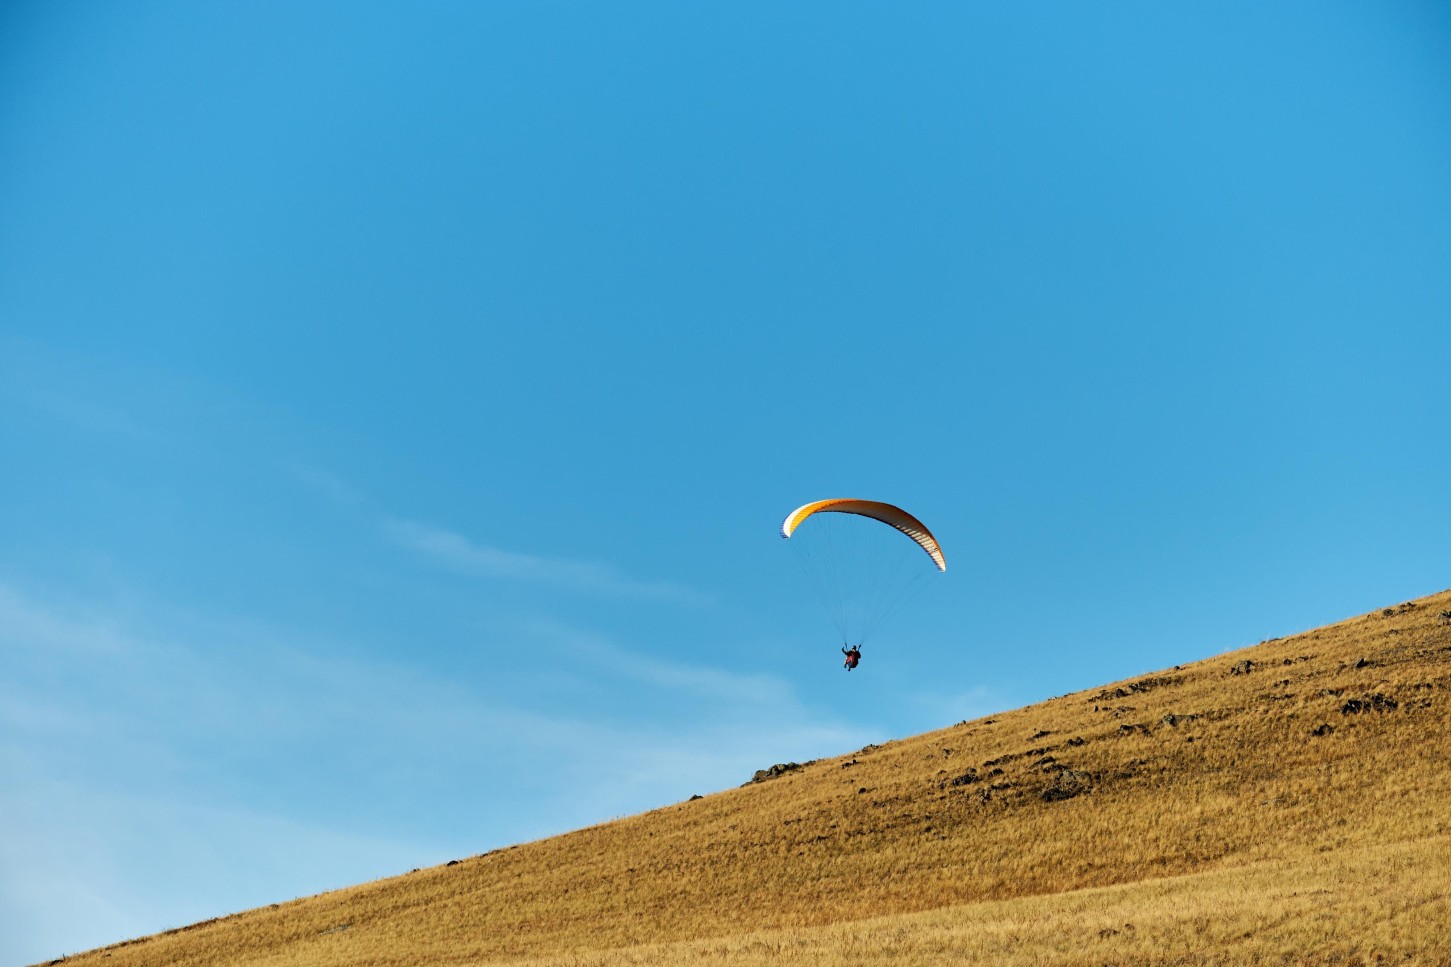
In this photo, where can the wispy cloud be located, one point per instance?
(707, 681)
(250, 770)
(25, 624)
(458, 553)
(329, 485)
(82, 865)
(964, 705)
(70, 393)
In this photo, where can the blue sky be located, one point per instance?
(399, 402)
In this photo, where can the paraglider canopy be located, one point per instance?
(862, 572)
(888, 514)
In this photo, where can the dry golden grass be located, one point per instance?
(1185, 817)
(1368, 905)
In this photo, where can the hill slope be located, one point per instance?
(1292, 800)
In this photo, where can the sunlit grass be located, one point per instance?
(1368, 905)
(1296, 809)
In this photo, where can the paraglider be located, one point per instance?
(863, 572)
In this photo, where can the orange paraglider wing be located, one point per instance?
(888, 514)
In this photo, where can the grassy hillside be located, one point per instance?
(1289, 801)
